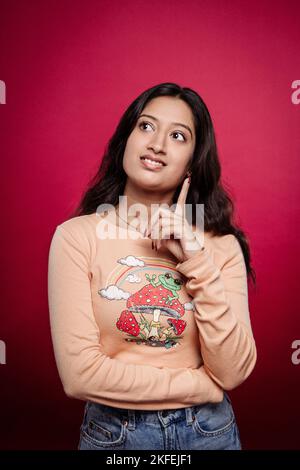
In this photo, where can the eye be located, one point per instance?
(178, 281)
(167, 275)
(144, 123)
(182, 135)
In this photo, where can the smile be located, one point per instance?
(151, 163)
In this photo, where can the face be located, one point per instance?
(157, 136)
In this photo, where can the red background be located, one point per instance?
(71, 68)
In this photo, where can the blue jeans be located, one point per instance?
(200, 427)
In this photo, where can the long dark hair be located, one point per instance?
(206, 186)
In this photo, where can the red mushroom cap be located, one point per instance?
(178, 325)
(149, 298)
(127, 322)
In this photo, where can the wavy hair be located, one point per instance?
(206, 186)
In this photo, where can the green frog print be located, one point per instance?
(153, 315)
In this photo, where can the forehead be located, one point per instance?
(169, 109)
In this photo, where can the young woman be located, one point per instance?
(149, 311)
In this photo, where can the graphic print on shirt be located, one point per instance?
(153, 313)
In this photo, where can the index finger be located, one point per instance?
(182, 197)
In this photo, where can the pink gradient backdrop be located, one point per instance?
(71, 68)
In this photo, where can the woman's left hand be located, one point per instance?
(166, 223)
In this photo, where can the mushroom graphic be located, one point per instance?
(178, 326)
(127, 322)
(156, 299)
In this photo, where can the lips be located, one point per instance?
(152, 158)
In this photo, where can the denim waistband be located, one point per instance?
(166, 417)
(130, 417)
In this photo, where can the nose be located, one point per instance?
(157, 143)
(156, 148)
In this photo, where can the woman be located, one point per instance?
(149, 312)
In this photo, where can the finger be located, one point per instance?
(175, 248)
(160, 243)
(152, 224)
(165, 225)
(175, 227)
(154, 234)
(161, 229)
(162, 212)
(182, 197)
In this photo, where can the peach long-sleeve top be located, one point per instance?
(133, 328)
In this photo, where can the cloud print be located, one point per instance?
(131, 261)
(189, 306)
(114, 293)
(133, 278)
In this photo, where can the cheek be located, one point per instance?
(135, 140)
(179, 164)
(127, 162)
(129, 155)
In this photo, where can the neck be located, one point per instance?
(145, 198)
(136, 195)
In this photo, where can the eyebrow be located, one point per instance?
(172, 123)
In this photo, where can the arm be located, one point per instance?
(85, 371)
(222, 315)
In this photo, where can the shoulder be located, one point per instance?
(80, 226)
(80, 222)
(77, 233)
(75, 238)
